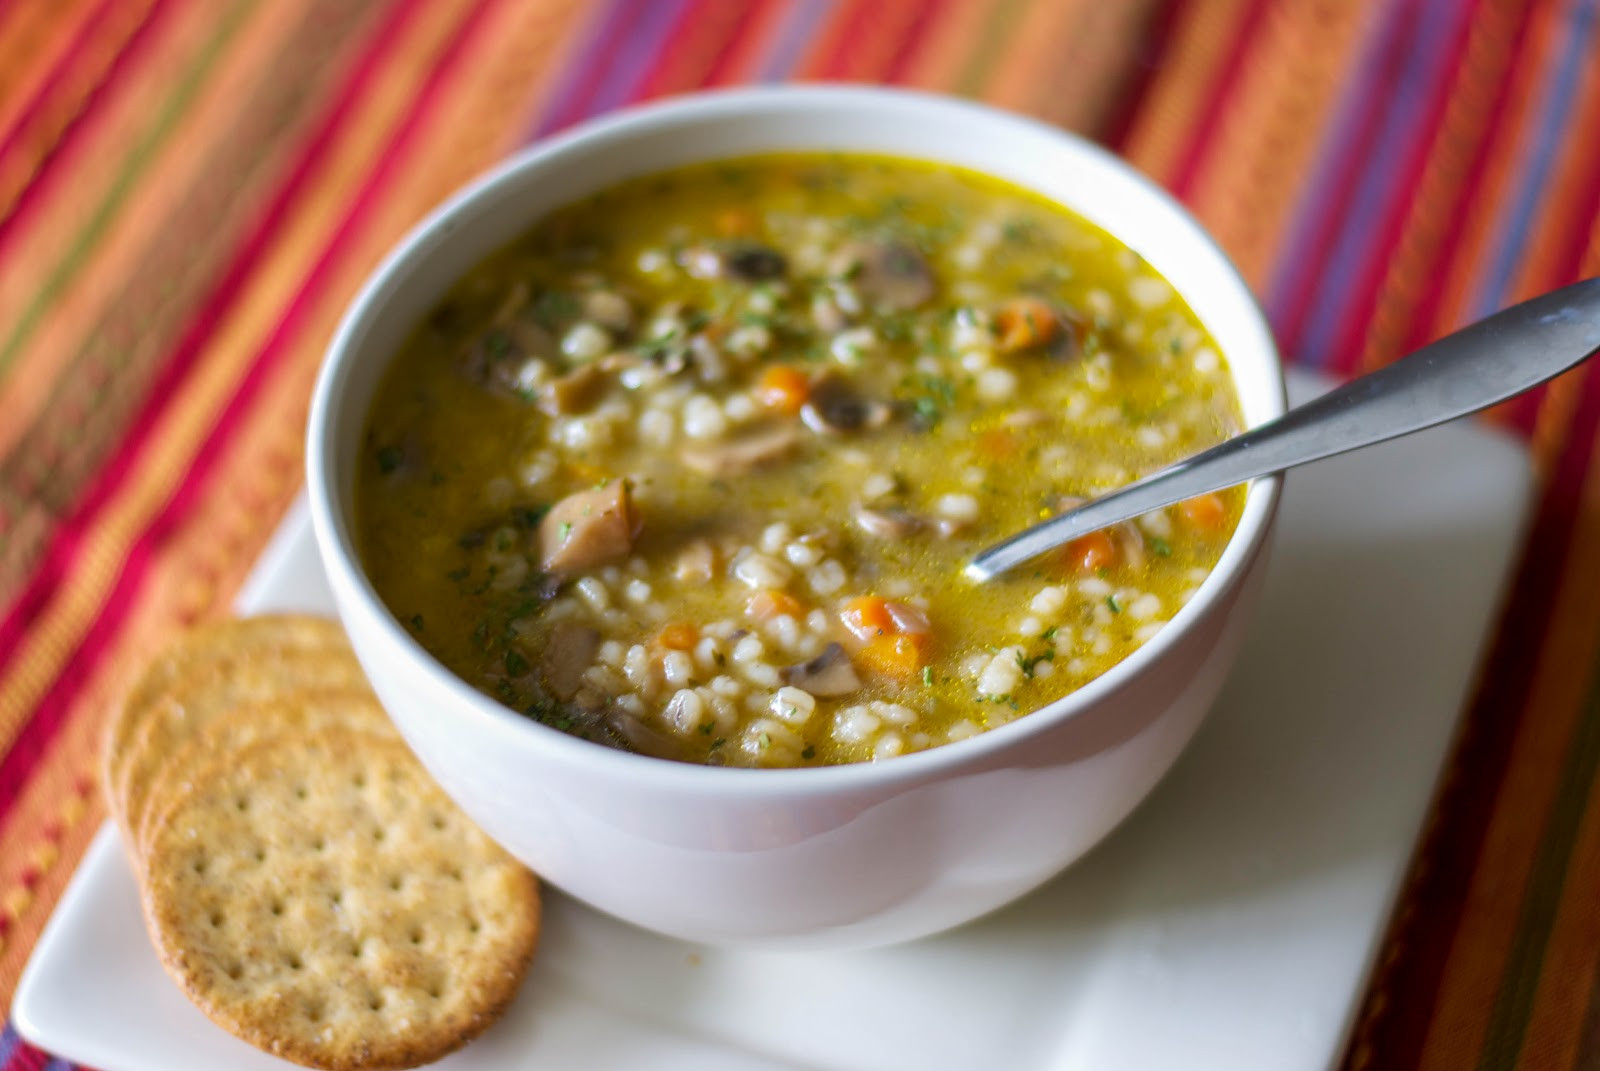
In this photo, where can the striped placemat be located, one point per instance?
(191, 190)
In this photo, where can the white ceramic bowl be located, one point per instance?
(839, 856)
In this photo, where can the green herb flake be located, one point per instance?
(1111, 601)
(1048, 634)
(528, 516)
(809, 753)
(765, 740)
(390, 458)
(516, 664)
(927, 676)
(1162, 548)
(416, 622)
(566, 530)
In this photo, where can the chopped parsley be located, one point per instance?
(809, 753)
(927, 676)
(1162, 548)
(1111, 601)
(516, 664)
(552, 307)
(416, 622)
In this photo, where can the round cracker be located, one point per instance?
(237, 728)
(208, 643)
(205, 693)
(322, 899)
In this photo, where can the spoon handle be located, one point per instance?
(1482, 364)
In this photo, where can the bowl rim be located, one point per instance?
(339, 557)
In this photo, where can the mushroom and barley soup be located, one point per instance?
(693, 466)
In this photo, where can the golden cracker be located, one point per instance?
(239, 727)
(204, 644)
(205, 693)
(322, 899)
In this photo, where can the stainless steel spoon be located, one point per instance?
(1482, 364)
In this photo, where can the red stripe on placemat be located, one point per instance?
(657, 80)
(1349, 344)
(1483, 755)
(913, 40)
(1193, 156)
(46, 176)
(1158, 42)
(58, 558)
(52, 709)
(843, 28)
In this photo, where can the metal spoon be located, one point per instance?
(1482, 364)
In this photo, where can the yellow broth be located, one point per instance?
(921, 360)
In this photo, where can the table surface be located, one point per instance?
(191, 192)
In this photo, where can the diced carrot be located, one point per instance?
(901, 657)
(736, 222)
(996, 444)
(678, 636)
(868, 616)
(1204, 511)
(1025, 322)
(771, 603)
(1091, 552)
(783, 388)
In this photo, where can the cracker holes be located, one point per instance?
(375, 1001)
(294, 963)
(199, 866)
(260, 855)
(242, 804)
(319, 844)
(216, 920)
(235, 971)
(377, 836)
(336, 898)
(454, 873)
(314, 1013)
(395, 882)
(356, 948)
(473, 925)
(436, 821)
(359, 780)
(416, 935)
(300, 792)
(277, 908)
(436, 992)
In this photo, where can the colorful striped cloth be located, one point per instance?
(191, 190)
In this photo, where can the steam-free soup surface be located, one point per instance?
(692, 467)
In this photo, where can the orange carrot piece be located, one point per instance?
(736, 222)
(1208, 511)
(868, 616)
(901, 657)
(783, 388)
(996, 444)
(1091, 552)
(678, 636)
(771, 603)
(1023, 323)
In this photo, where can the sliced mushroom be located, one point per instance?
(891, 524)
(890, 275)
(567, 654)
(834, 408)
(588, 528)
(744, 453)
(696, 563)
(756, 264)
(641, 738)
(497, 358)
(575, 392)
(828, 674)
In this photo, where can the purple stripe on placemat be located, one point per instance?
(1415, 84)
(1337, 161)
(634, 57)
(1554, 112)
(789, 43)
(8, 1044)
(585, 66)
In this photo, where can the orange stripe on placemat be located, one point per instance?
(36, 41)
(1178, 95)
(93, 558)
(1265, 146)
(949, 44)
(29, 147)
(200, 564)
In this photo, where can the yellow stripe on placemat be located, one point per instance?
(1071, 62)
(949, 45)
(1493, 902)
(1179, 90)
(1267, 142)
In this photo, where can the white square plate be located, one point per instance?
(1228, 925)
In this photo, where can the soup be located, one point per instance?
(693, 466)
